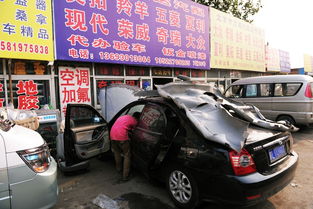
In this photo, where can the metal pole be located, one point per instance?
(10, 81)
(5, 81)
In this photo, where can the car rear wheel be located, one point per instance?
(182, 189)
(287, 118)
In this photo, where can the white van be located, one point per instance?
(28, 174)
(279, 97)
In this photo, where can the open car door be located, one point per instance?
(86, 134)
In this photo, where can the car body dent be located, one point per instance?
(210, 112)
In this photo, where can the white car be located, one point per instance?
(28, 174)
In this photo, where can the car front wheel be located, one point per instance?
(182, 189)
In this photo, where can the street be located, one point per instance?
(80, 189)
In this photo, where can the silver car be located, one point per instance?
(279, 97)
(28, 174)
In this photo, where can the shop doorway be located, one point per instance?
(161, 81)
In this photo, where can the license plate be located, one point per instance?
(277, 153)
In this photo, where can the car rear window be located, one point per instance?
(286, 89)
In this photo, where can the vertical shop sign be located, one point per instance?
(74, 86)
(236, 44)
(27, 95)
(284, 61)
(26, 29)
(165, 33)
(308, 63)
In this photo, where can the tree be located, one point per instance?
(242, 9)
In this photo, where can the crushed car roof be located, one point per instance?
(217, 118)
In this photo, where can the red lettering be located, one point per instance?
(125, 28)
(100, 4)
(75, 19)
(161, 13)
(98, 20)
(163, 2)
(82, 40)
(174, 19)
(142, 32)
(100, 43)
(73, 53)
(141, 9)
(124, 6)
(81, 2)
(162, 34)
(139, 48)
(175, 37)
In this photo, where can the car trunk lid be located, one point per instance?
(268, 148)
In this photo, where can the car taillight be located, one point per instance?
(308, 91)
(38, 159)
(242, 162)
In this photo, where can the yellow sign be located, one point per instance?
(272, 60)
(236, 44)
(308, 63)
(26, 29)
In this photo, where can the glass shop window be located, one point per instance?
(109, 69)
(30, 68)
(30, 94)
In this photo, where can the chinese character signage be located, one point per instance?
(308, 63)
(284, 59)
(236, 44)
(167, 33)
(272, 59)
(74, 86)
(26, 29)
(104, 83)
(27, 95)
(2, 98)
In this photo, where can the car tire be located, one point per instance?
(287, 118)
(182, 188)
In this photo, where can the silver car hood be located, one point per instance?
(116, 96)
(217, 118)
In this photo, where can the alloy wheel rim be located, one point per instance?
(180, 186)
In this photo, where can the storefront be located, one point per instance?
(102, 75)
(101, 44)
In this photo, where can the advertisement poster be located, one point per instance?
(272, 59)
(236, 44)
(26, 30)
(74, 84)
(167, 33)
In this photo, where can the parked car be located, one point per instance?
(28, 174)
(279, 97)
(201, 145)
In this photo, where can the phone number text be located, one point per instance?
(124, 57)
(23, 47)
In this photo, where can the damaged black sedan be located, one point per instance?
(203, 146)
